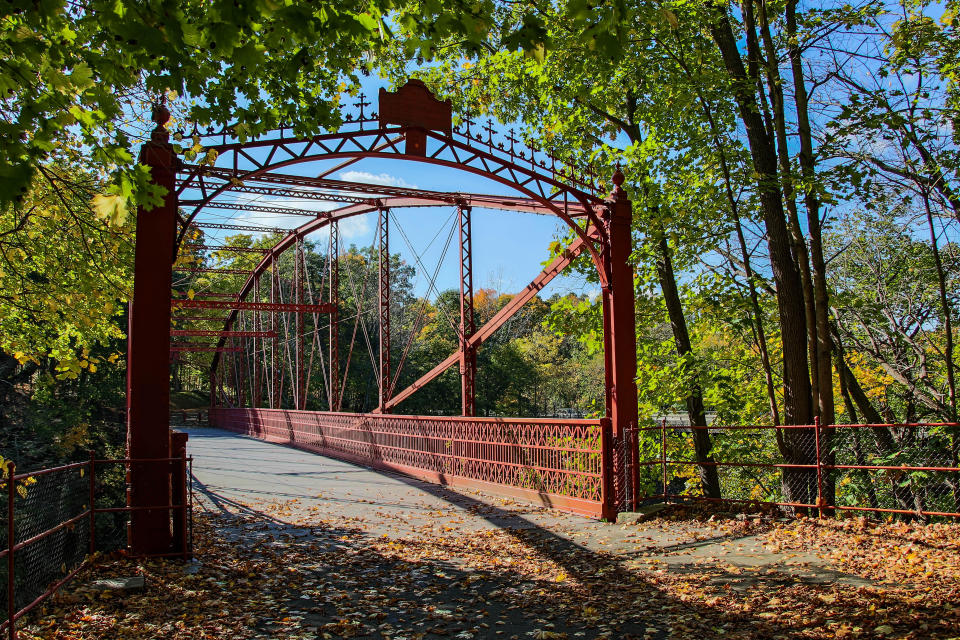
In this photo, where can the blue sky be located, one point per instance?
(508, 247)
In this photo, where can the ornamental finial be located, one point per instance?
(160, 116)
(618, 180)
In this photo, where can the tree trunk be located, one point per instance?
(799, 484)
(947, 350)
(759, 332)
(709, 480)
(798, 242)
(945, 308)
(811, 200)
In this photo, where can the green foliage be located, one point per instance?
(87, 72)
(64, 274)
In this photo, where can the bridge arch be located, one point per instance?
(412, 125)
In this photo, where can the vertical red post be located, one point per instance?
(11, 541)
(93, 496)
(178, 473)
(241, 357)
(816, 435)
(257, 326)
(233, 366)
(663, 456)
(383, 225)
(148, 351)
(608, 498)
(299, 364)
(333, 262)
(468, 355)
(275, 329)
(620, 329)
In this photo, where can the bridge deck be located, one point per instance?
(396, 557)
(233, 473)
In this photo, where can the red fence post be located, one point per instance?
(608, 504)
(663, 456)
(178, 484)
(148, 350)
(816, 436)
(11, 541)
(93, 494)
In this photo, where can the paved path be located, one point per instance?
(234, 472)
(231, 470)
(300, 496)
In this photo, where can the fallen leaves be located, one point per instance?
(332, 577)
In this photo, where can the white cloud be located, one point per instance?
(350, 228)
(355, 227)
(383, 179)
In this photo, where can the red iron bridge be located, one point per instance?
(267, 334)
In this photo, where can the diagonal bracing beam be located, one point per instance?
(552, 270)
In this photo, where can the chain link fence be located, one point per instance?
(54, 520)
(909, 469)
(51, 537)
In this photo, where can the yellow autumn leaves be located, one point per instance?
(110, 208)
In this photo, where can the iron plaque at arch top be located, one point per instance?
(417, 110)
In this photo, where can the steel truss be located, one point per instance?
(412, 126)
(273, 307)
(333, 299)
(223, 247)
(551, 188)
(468, 355)
(383, 281)
(258, 208)
(216, 333)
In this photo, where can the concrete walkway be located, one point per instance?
(240, 474)
(354, 552)
(232, 470)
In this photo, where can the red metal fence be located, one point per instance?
(570, 464)
(55, 519)
(558, 463)
(886, 468)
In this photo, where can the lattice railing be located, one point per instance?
(557, 462)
